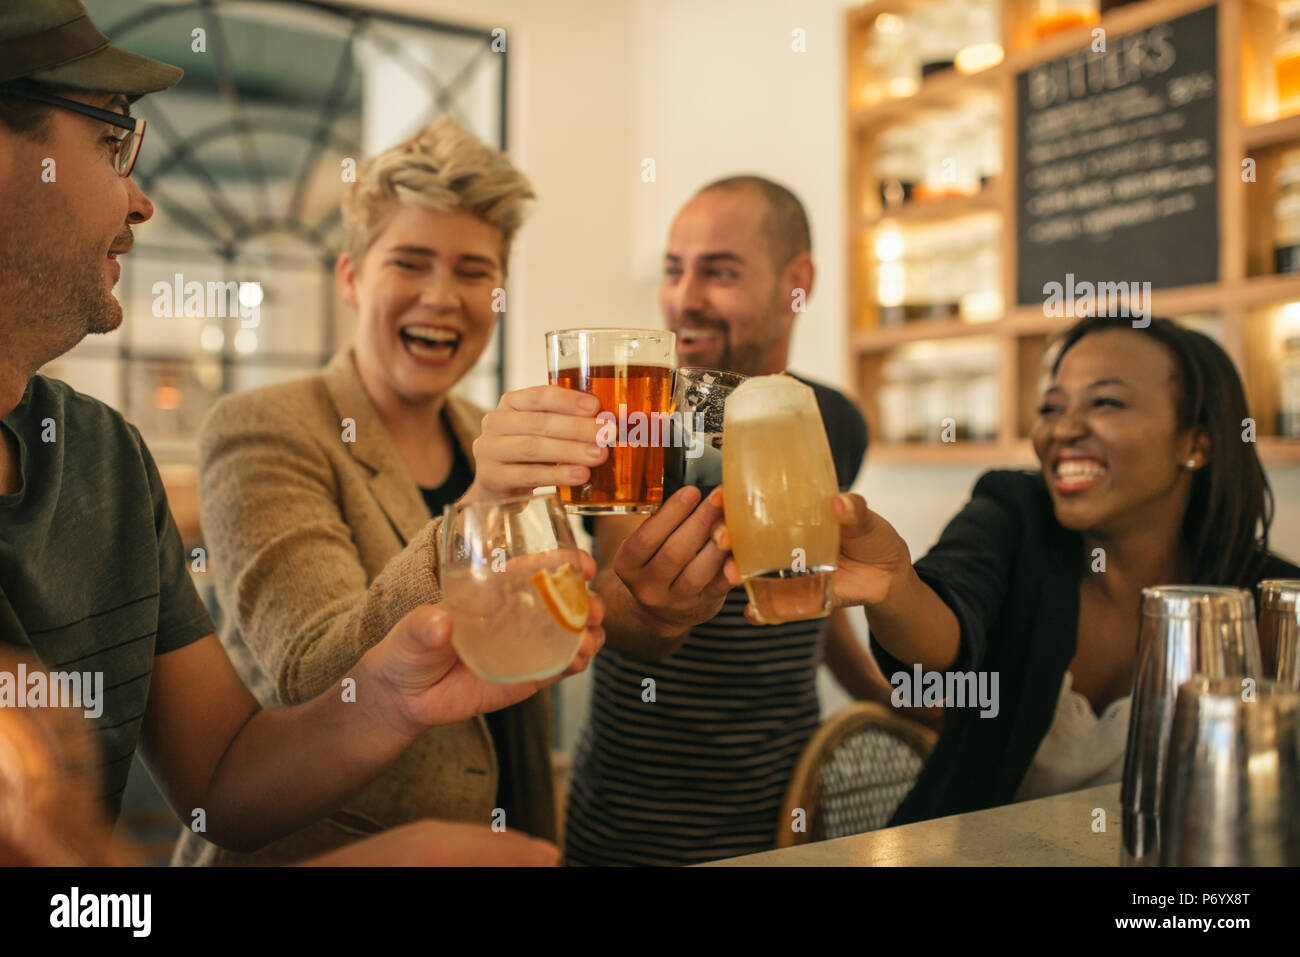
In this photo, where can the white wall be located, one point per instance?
(720, 90)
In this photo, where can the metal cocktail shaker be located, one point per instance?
(1185, 630)
(1279, 629)
(1232, 785)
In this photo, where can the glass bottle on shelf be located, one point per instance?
(936, 403)
(1286, 214)
(919, 291)
(946, 271)
(981, 36)
(1286, 60)
(1288, 424)
(980, 394)
(938, 36)
(919, 304)
(892, 401)
(981, 299)
(892, 277)
(1053, 16)
(988, 140)
(917, 383)
(968, 158)
(891, 58)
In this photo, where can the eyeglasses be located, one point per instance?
(132, 127)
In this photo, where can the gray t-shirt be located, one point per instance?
(93, 575)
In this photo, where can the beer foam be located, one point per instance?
(765, 396)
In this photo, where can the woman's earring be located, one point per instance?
(1190, 464)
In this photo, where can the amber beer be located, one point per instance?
(778, 481)
(631, 372)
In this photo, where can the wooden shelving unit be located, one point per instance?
(1241, 305)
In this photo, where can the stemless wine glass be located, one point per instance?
(631, 372)
(512, 581)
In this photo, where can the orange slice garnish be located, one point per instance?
(565, 595)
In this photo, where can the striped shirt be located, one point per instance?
(694, 767)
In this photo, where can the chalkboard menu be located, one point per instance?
(1117, 149)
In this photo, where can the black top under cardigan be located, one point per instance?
(1010, 572)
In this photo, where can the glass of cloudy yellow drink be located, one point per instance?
(778, 483)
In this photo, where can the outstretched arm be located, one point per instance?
(259, 774)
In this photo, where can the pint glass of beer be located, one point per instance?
(631, 372)
(778, 482)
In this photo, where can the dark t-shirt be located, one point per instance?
(1010, 573)
(457, 483)
(700, 772)
(93, 575)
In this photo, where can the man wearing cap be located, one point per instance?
(92, 574)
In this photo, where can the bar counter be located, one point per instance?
(1051, 831)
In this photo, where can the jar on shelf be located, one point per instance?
(1053, 16)
(898, 165)
(949, 159)
(1286, 214)
(1288, 424)
(1286, 60)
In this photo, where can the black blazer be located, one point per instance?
(1010, 572)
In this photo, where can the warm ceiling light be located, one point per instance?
(889, 23)
(250, 294)
(212, 338)
(889, 245)
(245, 341)
(979, 56)
(167, 397)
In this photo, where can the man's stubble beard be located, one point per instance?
(54, 295)
(751, 358)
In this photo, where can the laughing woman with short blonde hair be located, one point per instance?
(321, 498)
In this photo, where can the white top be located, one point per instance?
(1080, 749)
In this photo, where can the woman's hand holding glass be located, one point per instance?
(527, 434)
(425, 683)
(873, 559)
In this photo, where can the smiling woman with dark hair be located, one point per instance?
(1145, 480)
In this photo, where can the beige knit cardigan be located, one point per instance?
(318, 546)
